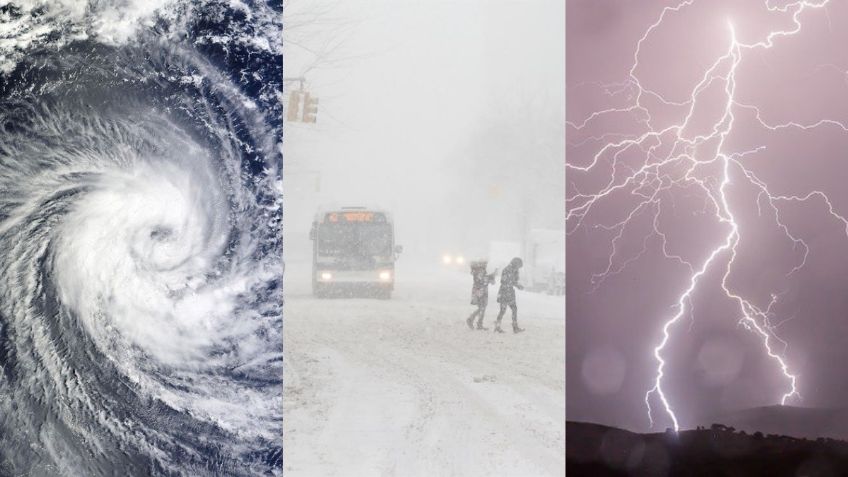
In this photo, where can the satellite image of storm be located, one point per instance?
(708, 235)
(140, 250)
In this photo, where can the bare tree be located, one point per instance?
(314, 35)
(514, 164)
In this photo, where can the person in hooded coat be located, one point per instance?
(506, 294)
(480, 292)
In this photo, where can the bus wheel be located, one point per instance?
(385, 294)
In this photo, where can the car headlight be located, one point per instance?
(447, 259)
(460, 260)
(326, 276)
(385, 276)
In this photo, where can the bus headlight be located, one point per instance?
(327, 276)
(385, 276)
(447, 259)
(460, 259)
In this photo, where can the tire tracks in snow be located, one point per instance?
(436, 420)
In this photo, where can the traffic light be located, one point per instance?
(302, 107)
(294, 106)
(310, 108)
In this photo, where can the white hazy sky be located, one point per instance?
(401, 94)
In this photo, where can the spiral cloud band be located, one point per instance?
(140, 253)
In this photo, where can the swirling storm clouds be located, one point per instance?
(140, 254)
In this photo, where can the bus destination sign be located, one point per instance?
(359, 216)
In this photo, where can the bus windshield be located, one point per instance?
(355, 239)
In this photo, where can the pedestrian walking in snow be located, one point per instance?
(480, 292)
(506, 294)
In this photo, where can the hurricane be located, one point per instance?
(140, 238)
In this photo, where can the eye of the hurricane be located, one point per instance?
(161, 234)
(161, 249)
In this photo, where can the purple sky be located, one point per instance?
(714, 364)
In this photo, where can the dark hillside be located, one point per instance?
(596, 450)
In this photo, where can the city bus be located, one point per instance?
(353, 252)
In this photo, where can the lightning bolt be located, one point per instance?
(677, 159)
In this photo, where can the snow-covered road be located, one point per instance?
(402, 387)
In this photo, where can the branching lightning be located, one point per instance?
(675, 158)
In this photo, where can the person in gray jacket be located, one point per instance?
(506, 294)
